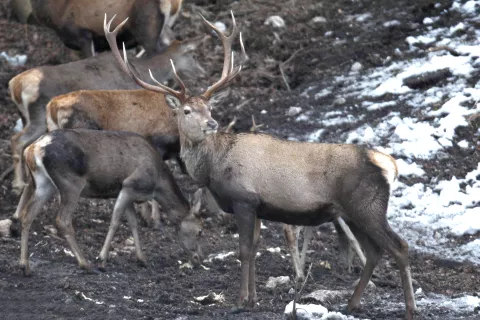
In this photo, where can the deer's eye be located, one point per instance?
(186, 111)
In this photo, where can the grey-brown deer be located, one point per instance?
(258, 176)
(78, 23)
(102, 164)
(33, 89)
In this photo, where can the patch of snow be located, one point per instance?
(466, 302)
(220, 26)
(274, 250)
(315, 136)
(391, 23)
(409, 169)
(322, 94)
(314, 312)
(275, 21)
(18, 126)
(220, 256)
(319, 20)
(381, 105)
(468, 8)
(16, 60)
(426, 213)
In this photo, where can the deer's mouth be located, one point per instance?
(209, 131)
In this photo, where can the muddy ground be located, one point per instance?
(59, 290)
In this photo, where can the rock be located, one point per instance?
(129, 241)
(306, 311)
(427, 80)
(293, 111)
(5, 228)
(339, 101)
(319, 19)
(18, 126)
(326, 296)
(50, 229)
(370, 285)
(212, 297)
(220, 26)
(15, 61)
(274, 282)
(275, 21)
(357, 66)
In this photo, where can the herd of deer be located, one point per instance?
(90, 132)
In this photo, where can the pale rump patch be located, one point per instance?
(24, 89)
(166, 7)
(387, 163)
(176, 6)
(59, 109)
(30, 86)
(39, 173)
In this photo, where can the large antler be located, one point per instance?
(228, 72)
(125, 66)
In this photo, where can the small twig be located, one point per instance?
(298, 293)
(282, 65)
(241, 105)
(254, 128)
(56, 237)
(229, 128)
(6, 173)
(452, 51)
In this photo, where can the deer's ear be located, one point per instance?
(172, 102)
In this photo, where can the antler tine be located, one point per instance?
(177, 78)
(233, 73)
(112, 40)
(126, 67)
(228, 66)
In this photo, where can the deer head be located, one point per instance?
(195, 121)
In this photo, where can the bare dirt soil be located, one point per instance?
(58, 289)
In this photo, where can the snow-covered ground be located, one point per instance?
(424, 214)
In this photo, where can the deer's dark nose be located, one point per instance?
(212, 124)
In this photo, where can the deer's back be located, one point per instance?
(296, 177)
(84, 14)
(139, 111)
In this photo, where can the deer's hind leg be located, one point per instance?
(32, 131)
(376, 236)
(132, 221)
(43, 192)
(70, 189)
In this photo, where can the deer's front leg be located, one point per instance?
(252, 290)
(291, 239)
(245, 217)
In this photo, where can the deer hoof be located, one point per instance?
(142, 262)
(157, 225)
(238, 309)
(252, 302)
(15, 228)
(25, 269)
(242, 306)
(299, 280)
(352, 306)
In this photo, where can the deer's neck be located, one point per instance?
(201, 158)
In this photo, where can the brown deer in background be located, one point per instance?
(102, 164)
(257, 176)
(33, 89)
(78, 23)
